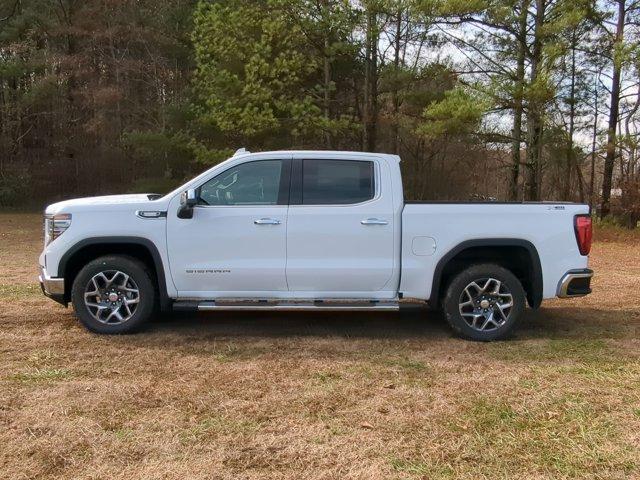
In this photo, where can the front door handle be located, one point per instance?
(374, 221)
(267, 221)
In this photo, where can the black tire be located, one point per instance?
(458, 301)
(137, 272)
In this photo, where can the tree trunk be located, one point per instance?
(594, 140)
(395, 98)
(327, 92)
(534, 119)
(517, 101)
(371, 82)
(572, 113)
(607, 180)
(581, 182)
(70, 152)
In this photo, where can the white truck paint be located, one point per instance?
(371, 250)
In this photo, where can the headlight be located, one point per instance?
(55, 225)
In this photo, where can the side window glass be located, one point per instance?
(251, 183)
(337, 182)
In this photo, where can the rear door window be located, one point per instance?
(337, 182)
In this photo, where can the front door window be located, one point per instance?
(252, 183)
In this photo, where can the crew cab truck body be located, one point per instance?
(310, 230)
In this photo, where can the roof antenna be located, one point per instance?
(241, 151)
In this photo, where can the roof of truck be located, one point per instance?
(315, 153)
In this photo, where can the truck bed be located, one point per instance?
(432, 231)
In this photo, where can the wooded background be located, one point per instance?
(483, 99)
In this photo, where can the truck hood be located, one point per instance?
(107, 202)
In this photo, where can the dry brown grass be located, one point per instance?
(314, 396)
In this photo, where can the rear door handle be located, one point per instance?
(267, 221)
(374, 221)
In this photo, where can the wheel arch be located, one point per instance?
(514, 254)
(88, 249)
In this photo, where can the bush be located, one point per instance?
(626, 207)
(13, 188)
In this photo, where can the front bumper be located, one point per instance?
(575, 283)
(52, 287)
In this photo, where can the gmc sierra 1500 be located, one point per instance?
(310, 230)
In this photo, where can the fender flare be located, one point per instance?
(165, 301)
(534, 296)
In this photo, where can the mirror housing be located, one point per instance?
(188, 200)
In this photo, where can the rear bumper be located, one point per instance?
(575, 283)
(52, 287)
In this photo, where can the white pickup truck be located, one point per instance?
(310, 230)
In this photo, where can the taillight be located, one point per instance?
(584, 233)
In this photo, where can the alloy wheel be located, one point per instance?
(485, 304)
(111, 297)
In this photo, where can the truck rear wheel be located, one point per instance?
(484, 302)
(113, 294)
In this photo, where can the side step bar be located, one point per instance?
(287, 305)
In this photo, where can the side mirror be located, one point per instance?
(188, 200)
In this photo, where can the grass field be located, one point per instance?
(292, 396)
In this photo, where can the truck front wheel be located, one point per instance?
(113, 294)
(484, 302)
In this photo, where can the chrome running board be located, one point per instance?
(336, 305)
